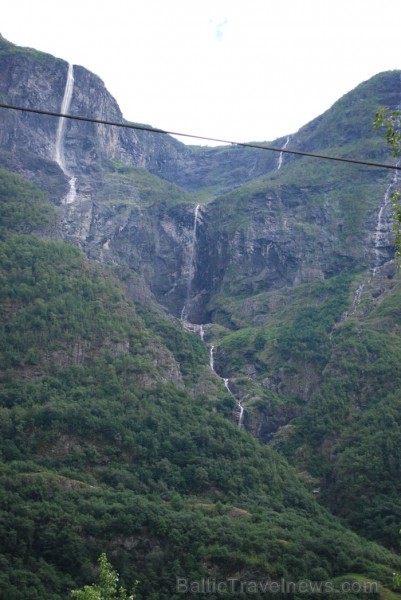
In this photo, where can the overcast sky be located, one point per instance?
(241, 70)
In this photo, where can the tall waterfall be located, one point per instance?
(60, 135)
(281, 155)
(184, 312)
(211, 358)
(380, 240)
(227, 386)
(382, 227)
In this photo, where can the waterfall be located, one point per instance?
(211, 358)
(241, 413)
(185, 308)
(239, 403)
(357, 297)
(227, 386)
(379, 241)
(60, 135)
(381, 230)
(281, 155)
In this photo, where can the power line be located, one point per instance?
(149, 129)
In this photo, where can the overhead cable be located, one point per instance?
(149, 129)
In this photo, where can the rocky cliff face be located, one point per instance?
(285, 261)
(264, 222)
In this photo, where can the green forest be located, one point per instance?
(104, 451)
(181, 285)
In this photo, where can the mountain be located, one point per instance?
(123, 252)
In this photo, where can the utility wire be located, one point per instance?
(199, 137)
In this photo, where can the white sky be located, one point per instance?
(241, 70)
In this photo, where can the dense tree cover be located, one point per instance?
(103, 451)
(189, 351)
(318, 364)
(331, 375)
(23, 206)
(349, 433)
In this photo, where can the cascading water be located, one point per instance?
(185, 308)
(211, 358)
(357, 298)
(60, 135)
(281, 155)
(382, 228)
(239, 403)
(227, 386)
(380, 240)
(241, 413)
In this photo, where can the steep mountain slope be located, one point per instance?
(113, 169)
(309, 304)
(286, 264)
(105, 447)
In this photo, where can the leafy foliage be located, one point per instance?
(107, 588)
(103, 452)
(109, 441)
(23, 206)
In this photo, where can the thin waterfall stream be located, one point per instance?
(185, 308)
(380, 236)
(59, 156)
(380, 240)
(381, 231)
(227, 386)
(281, 155)
(199, 328)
